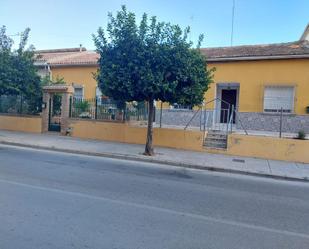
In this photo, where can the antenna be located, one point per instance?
(233, 13)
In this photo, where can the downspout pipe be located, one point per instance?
(49, 71)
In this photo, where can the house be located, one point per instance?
(256, 82)
(262, 79)
(76, 66)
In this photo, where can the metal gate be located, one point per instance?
(54, 118)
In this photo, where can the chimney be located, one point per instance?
(305, 36)
(80, 47)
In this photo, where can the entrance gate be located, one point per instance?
(56, 108)
(54, 117)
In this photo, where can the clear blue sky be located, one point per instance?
(67, 23)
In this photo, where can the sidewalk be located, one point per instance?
(190, 159)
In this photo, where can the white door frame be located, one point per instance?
(219, 88)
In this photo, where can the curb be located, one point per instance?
(153, 160)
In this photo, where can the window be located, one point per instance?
(277, 97)
(78, 92)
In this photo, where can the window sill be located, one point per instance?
(278, 114)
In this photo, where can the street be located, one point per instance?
(58, 200)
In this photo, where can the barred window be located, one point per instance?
(78, 92)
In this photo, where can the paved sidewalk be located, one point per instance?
(191, 159)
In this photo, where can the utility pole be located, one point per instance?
(233, 14)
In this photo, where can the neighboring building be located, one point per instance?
(257, 80)
(76, 66)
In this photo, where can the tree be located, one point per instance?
(150, 61)
(18, 74)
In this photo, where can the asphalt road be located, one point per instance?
(58, 200)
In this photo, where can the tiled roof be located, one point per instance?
(296, 49)
(77, 56)
(71, 56)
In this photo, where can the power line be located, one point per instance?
(233, 14)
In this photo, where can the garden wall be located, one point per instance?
(238, 145)
(125, 133)
(286, 149)
(21, 123)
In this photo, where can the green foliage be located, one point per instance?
(150, 61)
(18, 75)
(301, 135)
(82, 106)
(45, 81)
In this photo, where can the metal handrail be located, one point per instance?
(229, 123)
(241, 123)
(192, 118)
(208, 102)
(231, 120)
(206, 116)
(219, 100)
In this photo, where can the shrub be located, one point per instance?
(301, 135)
(82, 106)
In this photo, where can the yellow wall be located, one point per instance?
(18, 123)
(119, 132)
(269, 147)
(82, 75)
(254, 75)
(283, 149)
(238, 145)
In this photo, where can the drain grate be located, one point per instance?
(238, 160)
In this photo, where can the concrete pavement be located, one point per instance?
(190, 159)
(52, 200)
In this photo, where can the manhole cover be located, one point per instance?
(238, 160)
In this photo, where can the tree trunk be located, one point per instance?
(149, 148)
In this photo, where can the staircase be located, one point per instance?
(216, 140)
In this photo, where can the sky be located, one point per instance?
(68, 23)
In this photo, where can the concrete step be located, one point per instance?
(215, 148)
(214, 143)
(210, 140)
(216, 136)
(216, 140)
(217, 132)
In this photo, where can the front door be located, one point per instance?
(54, 118)
(229, 100)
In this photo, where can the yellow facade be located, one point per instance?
(253, 76)
(81, 75)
